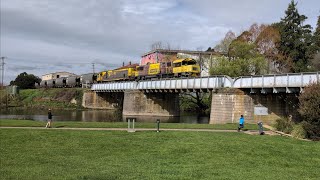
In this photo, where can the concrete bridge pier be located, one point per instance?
(228, 104)
(102, 100)
(142, 103)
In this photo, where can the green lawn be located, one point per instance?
(61, 154)
(76, 124)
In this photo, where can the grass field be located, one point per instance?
(76, 124)
(72, 154)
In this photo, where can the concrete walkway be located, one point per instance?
(252, 132)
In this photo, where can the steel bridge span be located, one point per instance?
(288, 83)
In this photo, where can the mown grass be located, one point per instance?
(76, 124)
(61, 154)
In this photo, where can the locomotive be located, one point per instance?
(187, 67)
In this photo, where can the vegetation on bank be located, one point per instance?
(46, 154)
(75, 124)
(44, 98)
(309, 108)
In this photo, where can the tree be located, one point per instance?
(223, 46)
(310, 110)
(26, 81)
(316, 36)
(315, 62)
(295, 38)
(196, 101)
(239, 66)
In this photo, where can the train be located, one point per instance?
(84, 80)
(186, 67)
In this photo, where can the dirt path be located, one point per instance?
(252, 132)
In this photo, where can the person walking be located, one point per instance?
(241, 123)
(49, 123)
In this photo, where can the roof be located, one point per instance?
(181, 51)
(59, 72)
(180, 60)
(128, 66)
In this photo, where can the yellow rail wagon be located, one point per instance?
(186, 67)
(101, 76)
(154, 70)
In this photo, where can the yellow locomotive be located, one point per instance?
(187, 67)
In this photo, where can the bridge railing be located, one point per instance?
(277, 80)
(187, 83)
(293, 80)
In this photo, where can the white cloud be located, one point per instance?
(73, 31)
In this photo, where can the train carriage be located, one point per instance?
(61, 82)
(73, 81)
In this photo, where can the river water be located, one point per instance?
(94, 116)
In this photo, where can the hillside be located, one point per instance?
(43, 98)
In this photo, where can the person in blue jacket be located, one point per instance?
(241, 123)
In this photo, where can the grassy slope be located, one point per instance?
(48, 154)
(54, 97)
(31, 123)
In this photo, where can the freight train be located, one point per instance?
(84, 80)
(187, 67)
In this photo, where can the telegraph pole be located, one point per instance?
(93, 68)
(2, 70)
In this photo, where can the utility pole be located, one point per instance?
(2, 70)
(93, 68)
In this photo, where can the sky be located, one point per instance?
(45, 36)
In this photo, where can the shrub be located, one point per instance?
(284, 124)
(298, 131)
(310, 110)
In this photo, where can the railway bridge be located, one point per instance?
(231, 97)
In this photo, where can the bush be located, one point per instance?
(310, 110)
(284, 125)
(298, 131)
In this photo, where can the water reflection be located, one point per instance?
(94, 116)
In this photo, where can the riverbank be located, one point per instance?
(45, 98)
(63, 154)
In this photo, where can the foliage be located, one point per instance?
(315, 62)
(54, 97)
(243, 50)
(316, 36)
(224, 44)
(295, 38)
(196, 102)
(26, 81)
(310, 109)
(298, 131)
(238, 67)
(284, 124)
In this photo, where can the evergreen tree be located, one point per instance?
(295, 38)
(316, 36)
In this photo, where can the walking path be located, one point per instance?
(253, 132)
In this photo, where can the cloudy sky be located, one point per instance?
(43, 36)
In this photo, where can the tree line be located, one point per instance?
(282, 47)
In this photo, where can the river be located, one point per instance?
(94, 116)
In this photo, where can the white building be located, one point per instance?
(56, 75)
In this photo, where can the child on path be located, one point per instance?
(241, 123)
(49, 119)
